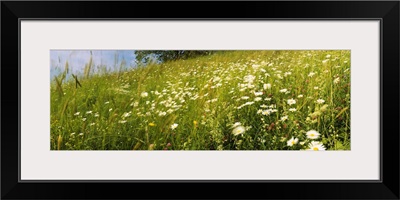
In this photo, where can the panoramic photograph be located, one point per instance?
(200, 100)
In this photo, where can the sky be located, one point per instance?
(78, 58)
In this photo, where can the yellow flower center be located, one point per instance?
(293, 142)
(312, 134)
(315, 149)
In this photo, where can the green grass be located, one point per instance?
(205, 97)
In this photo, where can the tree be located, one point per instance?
(147, 56)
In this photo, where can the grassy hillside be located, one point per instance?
(240, 100)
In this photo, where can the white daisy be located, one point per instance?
(216, 79)
(287, 73)
(258, 93)
(144, 94)
(266, 112)
(320, 101)
(238, 130)
(312, 134)
(173, 126)
(249, 78)
(337, 80)
(316, 146)
(126, 115)
(291, 101)
(249, 103)
(292, 141)
(267, 86)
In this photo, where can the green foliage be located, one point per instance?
(146, 56)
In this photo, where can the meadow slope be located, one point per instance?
(239, 100)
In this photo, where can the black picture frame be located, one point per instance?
(386, 11)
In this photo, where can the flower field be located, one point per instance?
(237, 100)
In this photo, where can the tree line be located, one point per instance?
(147, 56)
